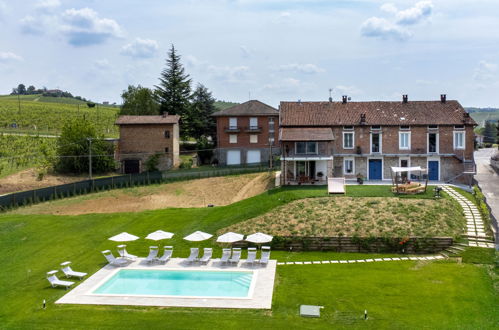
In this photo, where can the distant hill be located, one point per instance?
(48, 99)
(221, 105)
(480, 115)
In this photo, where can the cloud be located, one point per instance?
(47, 5)
(485, 72)
(141, 48)
(32, 25)
(245, 52)
(347, 90)
(233, 74)
(381, 28)
(301, 68)
(415, 14)
(3, 9)
(9, 57)
(84, 27)
(389, 8)
(102, 64)
(192, 61)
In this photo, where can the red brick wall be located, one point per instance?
(243, 138)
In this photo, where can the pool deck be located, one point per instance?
(260, 297)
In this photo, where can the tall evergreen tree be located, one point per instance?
(174, 90)
(489, 133)
(202, 124)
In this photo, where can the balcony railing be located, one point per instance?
(253, 129)
(232, 129)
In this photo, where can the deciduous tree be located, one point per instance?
(139, 101)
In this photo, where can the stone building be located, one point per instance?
(143, 137)
(247, 133)
(365, 139)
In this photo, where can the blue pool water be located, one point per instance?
(178, 283)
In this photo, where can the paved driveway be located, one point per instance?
(488, 180)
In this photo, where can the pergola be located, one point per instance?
(400, 186)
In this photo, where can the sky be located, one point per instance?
(270, 50)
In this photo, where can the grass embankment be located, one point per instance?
(360, 217)
(396, 294)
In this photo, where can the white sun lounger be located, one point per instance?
(112, 260)
(66, 269)
(208, 252)
(124, 253)
(166, 255)
(236, 256)
(153, 253)
(251, 256)
(225, 256)
(264, 260)
(54, 281)
(193, 257)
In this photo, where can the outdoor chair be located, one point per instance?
(124, 253)
(112, 260)
(236, 256)
(153, 253)
(54, 281)
(208, 252)
(167, 254)
(251, 256)
(194, 256)
(66, 269)
(225, 256)
(264, 260)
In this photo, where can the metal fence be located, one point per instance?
(124, 181)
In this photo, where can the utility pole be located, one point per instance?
(19, 103)
(89, 158)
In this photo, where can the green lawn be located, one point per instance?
(396, 294)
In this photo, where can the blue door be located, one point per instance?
(375, 168)
(433, 170)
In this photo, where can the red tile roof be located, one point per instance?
(249, 108)
(376, 113)
(306, 134)
(147, 120)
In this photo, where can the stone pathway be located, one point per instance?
(475, 231)
(436, 257)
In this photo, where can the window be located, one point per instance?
(253, 138)
(375, 142)
(232, 123)
(348, 140)
(458, 140)
(348, 128)
(405, 128)
(233, 138)
(459, 126)
(404, 140)
(271, 125)
(432, 126)
(253, 123)
(348, 166)
(167, 150)
(377, 127)
(306, 147)
(167, 134)
(432, 142)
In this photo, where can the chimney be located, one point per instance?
(165, 114)
(405, 98)
(344, 99)
(330, 99)
(443, 98)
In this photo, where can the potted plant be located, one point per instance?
(360, 178)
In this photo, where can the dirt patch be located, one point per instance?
(27, 180)
(362, 217)
(192, 193)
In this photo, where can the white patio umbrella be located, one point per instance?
(197, 236)
(123, 237)
(230, 237)
(159, 235)
(259, 238)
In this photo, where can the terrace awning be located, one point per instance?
(306, 134)
(407, 169)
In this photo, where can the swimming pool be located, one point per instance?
(181, 283)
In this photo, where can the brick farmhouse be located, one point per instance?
(365, 139)
(247, 133)
(142, 137)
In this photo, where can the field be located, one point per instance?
(481, 116)
(20, 152)
(47, 115)
(408, 295)
(193, 193)
(361, 217)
